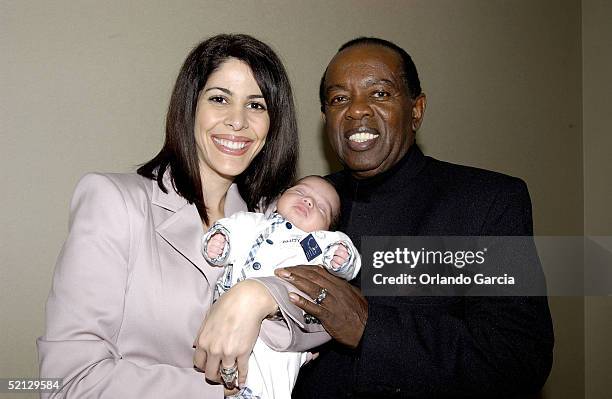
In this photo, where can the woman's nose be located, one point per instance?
(236, 119)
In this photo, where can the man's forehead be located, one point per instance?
(366, 58)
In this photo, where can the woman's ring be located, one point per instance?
(322, 295)
(229, 374)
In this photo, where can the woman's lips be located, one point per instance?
(231, 145)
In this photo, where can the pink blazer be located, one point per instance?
(130, 291)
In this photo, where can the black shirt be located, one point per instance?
(436, 347)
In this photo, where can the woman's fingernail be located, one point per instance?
(293, 297)
(284, 274)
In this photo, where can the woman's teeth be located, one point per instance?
(361, 137)
(233, 145)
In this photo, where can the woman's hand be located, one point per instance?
(229, 331)
(343, 312)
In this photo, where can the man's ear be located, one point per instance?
(418, 111)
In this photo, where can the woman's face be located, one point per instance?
(231, 122)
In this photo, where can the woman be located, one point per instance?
(130, 287)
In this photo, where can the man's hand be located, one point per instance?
(343, 312)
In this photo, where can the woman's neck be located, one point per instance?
(214, 191)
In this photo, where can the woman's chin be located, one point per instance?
(224, 167)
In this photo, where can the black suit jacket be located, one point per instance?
(436, 347)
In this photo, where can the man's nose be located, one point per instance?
(236, 119)
(359, 108)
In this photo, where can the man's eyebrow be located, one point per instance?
(372, 81)
(334, 87)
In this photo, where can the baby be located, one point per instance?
(251, 244)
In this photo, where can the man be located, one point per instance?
(417, 347)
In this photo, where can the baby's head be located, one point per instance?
(311, 204)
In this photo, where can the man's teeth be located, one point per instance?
(233, 145)
(361, 137)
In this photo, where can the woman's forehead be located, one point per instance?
(234, 74)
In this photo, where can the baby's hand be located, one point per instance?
(215, 245)
(340, 256)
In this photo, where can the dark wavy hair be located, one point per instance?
(273, 168)
(409, 71)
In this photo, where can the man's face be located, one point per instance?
(370, 119)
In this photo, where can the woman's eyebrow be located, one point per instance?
(229, 92)
(223, 89)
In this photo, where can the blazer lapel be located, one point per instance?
(182, 229)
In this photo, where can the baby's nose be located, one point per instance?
(308, 202)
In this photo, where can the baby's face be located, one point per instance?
(310, 205)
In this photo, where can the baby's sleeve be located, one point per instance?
(349, 269)
(234, 228)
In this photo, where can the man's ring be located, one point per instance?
(321, 297)
(310, 319)
(229, 374)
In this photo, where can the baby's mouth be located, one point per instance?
(301, 209)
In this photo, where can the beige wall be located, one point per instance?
(85, 86)
(597, 144)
